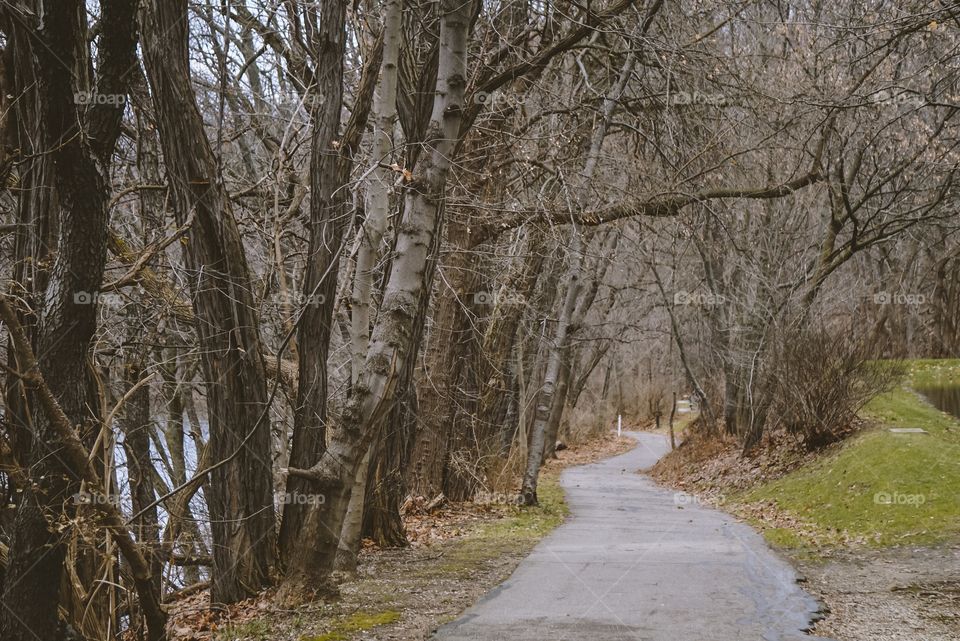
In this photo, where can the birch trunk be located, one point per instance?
(349, 544)
(556, 409)
(571, 312)
(373, 393)
(378, 188)
(378, 185)
(528, 491)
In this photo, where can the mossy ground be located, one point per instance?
(405, 593)
(879, 488)
(510, 532)
(344, 629)
(513, 528)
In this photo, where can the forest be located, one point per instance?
(279, 273)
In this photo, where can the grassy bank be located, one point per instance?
(879, 488)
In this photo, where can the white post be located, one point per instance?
(619, 424)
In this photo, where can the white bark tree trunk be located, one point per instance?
(378, 185)
(528, 492)
(372, 394)
(377, 205)
(570, 311)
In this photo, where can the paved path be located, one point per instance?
(631, 565)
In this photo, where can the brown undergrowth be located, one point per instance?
(715, 464)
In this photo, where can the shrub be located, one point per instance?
(819, 382)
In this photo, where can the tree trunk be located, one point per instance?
(556, 410)
(535, 447)
(68, 315)
(373, 395)
(386, 489)
(241, 491)
(443, 365)
(383, 451)
(349, 544)
(497, 374)
(673, 412)
(136, 425)
(328, 218)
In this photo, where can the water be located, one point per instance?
(944, 397)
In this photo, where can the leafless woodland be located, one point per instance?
(273, 268)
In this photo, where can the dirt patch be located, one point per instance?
(460, 552)
(898, 594)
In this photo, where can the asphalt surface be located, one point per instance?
(637, 562)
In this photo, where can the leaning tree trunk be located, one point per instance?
(394, 446)
(571, 312)
(371, 237)
(241, 490)
(528, 491)
(598, 270)
(373, 394)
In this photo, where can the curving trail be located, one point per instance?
(632, 564)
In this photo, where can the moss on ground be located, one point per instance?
(255, 630)
(880, 488)
(511, 532)
(518, 527)
(345, 629)
(532, 523)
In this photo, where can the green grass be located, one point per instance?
(534, 523)
(880, 488)
(924, 372)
